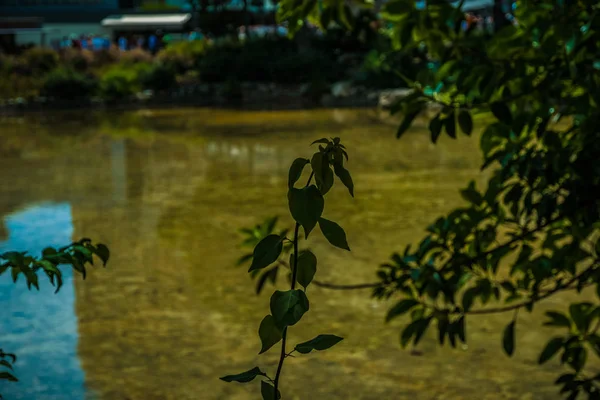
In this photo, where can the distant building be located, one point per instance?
(40, 22)
(184, 5)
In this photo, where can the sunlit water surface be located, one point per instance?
(167, 192)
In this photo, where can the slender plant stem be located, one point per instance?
(293, 286)
(284, 333)
(280, 366)
(336, 286)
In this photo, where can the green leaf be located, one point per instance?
(288, 307)
(323, 140)
(269, 333)
(32, 279)
(345, 177)
(268, 391)
(102, 252)
(469, 297)
(450, 124)
(307, 267)
(325, 17)
(306, 206)
(508, 338)
(48, 266)
(345, 16)
(244, 376)
(407, 122)
(397, 7)
(416, 328)
(334, 233)
(465, 122)
(15, 274)
(460, 329)
(49, 251)
(78, 266)
(580, 314)
(13, 257)
(421, 326)
(323, 173)
(6, 364)
(296, 171)
(11, 356)
(406, 33)
(552, 347)
(502, 112)
(435, 127)
(406, 334)
(59, 282)
(402, 307)
(578, 358)
(266, 252)
(442, 329)
(86, 253)
(321, 342)
(557, 319)
(8, 376)
(471, 194)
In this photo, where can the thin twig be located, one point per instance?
(293, 286)
(566, 286)
(335, 286)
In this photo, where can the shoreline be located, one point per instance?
(255, 97)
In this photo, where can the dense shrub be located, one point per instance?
(190, 78)
(379, 70)
(304, 67)
(267, 59)
(232, 90)
(119, 83)
(183, 56)
(40, 59)
(157, 77)
(315, 89)
(105, 57)
(259, 59)
(14, 85)
(65, 84)
(78, 60)
(6, 64)
(135, 56)
(220, 62)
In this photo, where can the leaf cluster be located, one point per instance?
(532, 231)
(287, 307)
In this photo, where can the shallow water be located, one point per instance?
(167, 191)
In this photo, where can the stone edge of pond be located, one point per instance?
(275, 98)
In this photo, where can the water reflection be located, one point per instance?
(41, 327)
(167, 191)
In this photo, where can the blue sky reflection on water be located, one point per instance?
(40, 327)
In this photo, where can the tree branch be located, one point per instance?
(558, 288)
(335, 286)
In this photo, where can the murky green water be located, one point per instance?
(167, 190)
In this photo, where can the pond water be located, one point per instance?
(167, 191)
